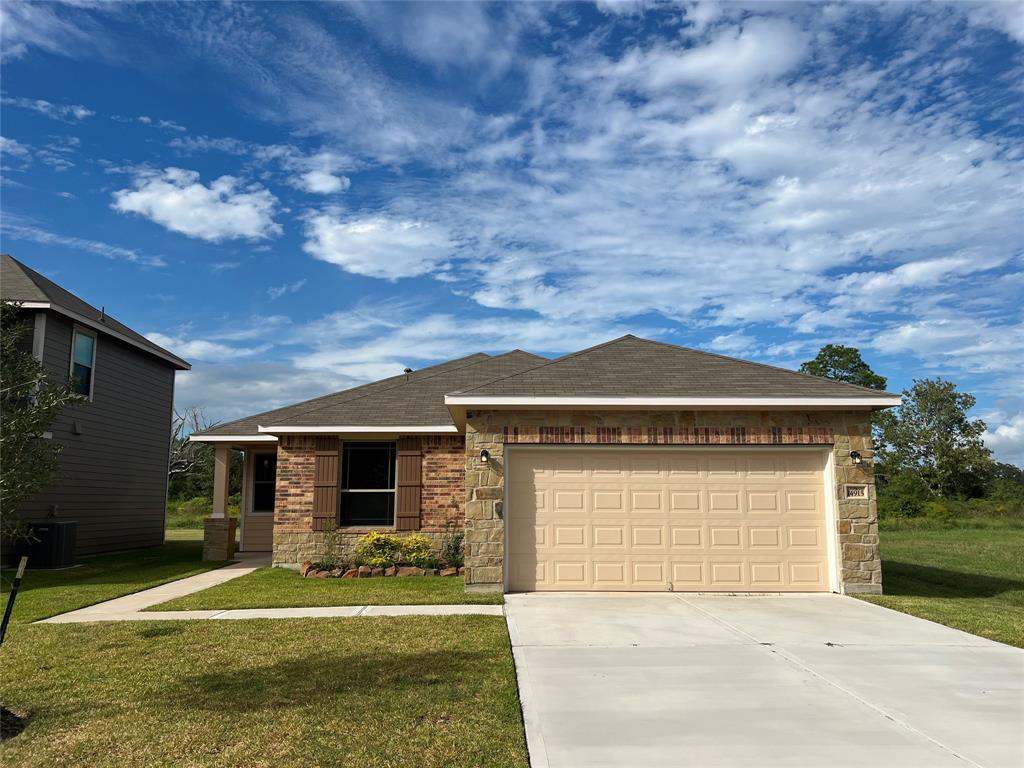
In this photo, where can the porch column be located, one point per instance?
(221, 470)
(219, 529)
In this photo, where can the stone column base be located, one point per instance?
(219, 538)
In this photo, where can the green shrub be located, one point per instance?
(904, 495)
(379, 550)
(452, 552)
(332, 554)
(418, 550)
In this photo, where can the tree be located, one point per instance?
(29, 402)
(931, 435)
(834, 361)
(190, 471)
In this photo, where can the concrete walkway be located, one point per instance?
(132, 607)
(702, 680)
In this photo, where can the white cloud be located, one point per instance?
(322, 182)
(13, 227)
(276, 292)
(67, 113)
(203, 349)
(1005, 16)
(377, 246)
(179, 201)
(13, 148)
(1006, 440)
(318, 174)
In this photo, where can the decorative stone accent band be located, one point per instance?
(767, 435)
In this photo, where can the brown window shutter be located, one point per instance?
(326, 481)
(407, 502)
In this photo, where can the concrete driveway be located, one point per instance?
(810, 680)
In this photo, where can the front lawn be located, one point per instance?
(401, 692)
(968, 578)
(284, 588)
(95, 579)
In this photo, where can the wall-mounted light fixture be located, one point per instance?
(856, 457)
(485, 456)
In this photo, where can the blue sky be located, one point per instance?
(301, 197)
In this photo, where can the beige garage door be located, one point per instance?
(649, 520)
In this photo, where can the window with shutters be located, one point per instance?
(368, 483)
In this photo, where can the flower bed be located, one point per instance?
(380, 554)
(311, 570)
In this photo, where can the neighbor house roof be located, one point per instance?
(23, 284)
(413, 401)
(634, 371)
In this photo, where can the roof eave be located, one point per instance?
(457, 404)
(155, 350)
(363, 429)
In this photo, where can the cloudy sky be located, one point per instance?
(298, 198)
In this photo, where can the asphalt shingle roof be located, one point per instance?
(21, 283)
(416, 399)
(634, 367)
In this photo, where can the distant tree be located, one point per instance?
(834, 361)
(29, 402)
(931, 435)
(190, 470)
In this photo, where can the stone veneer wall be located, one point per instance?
(856, 519)
(441, 502)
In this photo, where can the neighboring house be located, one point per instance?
(632, 465)
(116, 442)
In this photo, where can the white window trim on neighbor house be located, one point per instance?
(76, 332)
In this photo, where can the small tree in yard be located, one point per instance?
(29, 402)
(834, 361)
(931, 435)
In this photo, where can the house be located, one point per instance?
(632, 465)
(116, 441)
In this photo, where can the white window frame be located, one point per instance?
(78, 330)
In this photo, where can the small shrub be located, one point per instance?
(378, 550)
(418, 550)
(452, 552)
(332, 555)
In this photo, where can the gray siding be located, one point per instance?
(113, 476)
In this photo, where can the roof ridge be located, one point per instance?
(542, 365)
(318, 398)
(488, 358)
(765, 365)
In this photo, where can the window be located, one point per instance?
(83, 360)
(368, 483)
(264, 480)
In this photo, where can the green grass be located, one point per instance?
(191, 513)
(382, 692)
(95, 579)
(968, 578)
(283, 588)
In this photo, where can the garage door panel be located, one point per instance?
(686, 501)
(609, 535)
(631, 519)
(645, 500)
(721, 501)
(688, 536)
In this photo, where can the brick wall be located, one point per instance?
(856, 518)
(442, 501)
(293, 498)
(443, 493)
